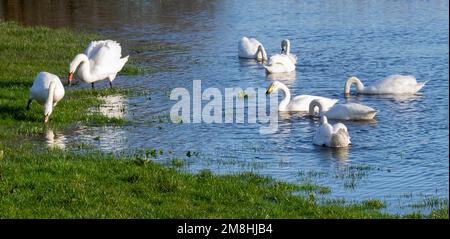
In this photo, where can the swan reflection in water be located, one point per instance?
(55, 140)
(399, 98)
(114, 106)
(340, 155)
(290, 76)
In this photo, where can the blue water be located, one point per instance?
(402, 158)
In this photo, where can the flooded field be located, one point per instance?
(400, 158)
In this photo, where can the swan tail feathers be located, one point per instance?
(122, 63)
(421, 85)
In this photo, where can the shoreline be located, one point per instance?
(62, 184)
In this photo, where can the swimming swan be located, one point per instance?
(348, 111)
(298, 103)
(394, 84)
(284, 62)
(335, 136)
(286, 50)
(250, 48)
(47, 90)
(102, 60)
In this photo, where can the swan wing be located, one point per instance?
(340, 139)
(293, 58)
(396, 84)
(351, 111)
(340, 127)
(105, 57)
(282, 59)
(40, 88)
(302, 102)
(280, 63)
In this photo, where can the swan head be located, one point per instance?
(79, 59)
(48, 111)
(274, 87)
(285, 46)
(348, 84)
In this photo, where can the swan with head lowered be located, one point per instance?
(348, 111)
(250, 48)
(284, 62)
(47, 90)
(298, 103)
(334, 136)
(394, 84)
(101, 60)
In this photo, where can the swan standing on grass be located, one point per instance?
(102, 60)
(348, 111)
(335, 136)
(394, 84)
(250, 48)
(284, 62)
(47, 89)
(298, 103)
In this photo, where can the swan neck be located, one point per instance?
(263, 53)
(313, 105)
(287, 97)
(50, 97)
(85, 69)
(350, 82)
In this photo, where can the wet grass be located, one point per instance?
(60, 184)
(431, 202)
(37, 182)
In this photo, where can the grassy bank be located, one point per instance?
(44, 183)
(24, 52)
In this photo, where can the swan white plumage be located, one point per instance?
(394, 84)
(284, 62)
(286, 50)
(101, 60)
(47, 90)
(348, 111)
(334, 136)
(298, 103)
(250, 48)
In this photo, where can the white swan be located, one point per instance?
(394, 84)
(47, 89)
(284, 62)
(102, 60)
(250, 48)
(335, 136)
(298, 103)
(348, 111)
(286, 50)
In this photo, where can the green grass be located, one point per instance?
(37, 182)
(59, 184)
(24, 52)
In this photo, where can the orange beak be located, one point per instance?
(70, 78)
(46, 119)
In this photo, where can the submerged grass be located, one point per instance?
(51, 183)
